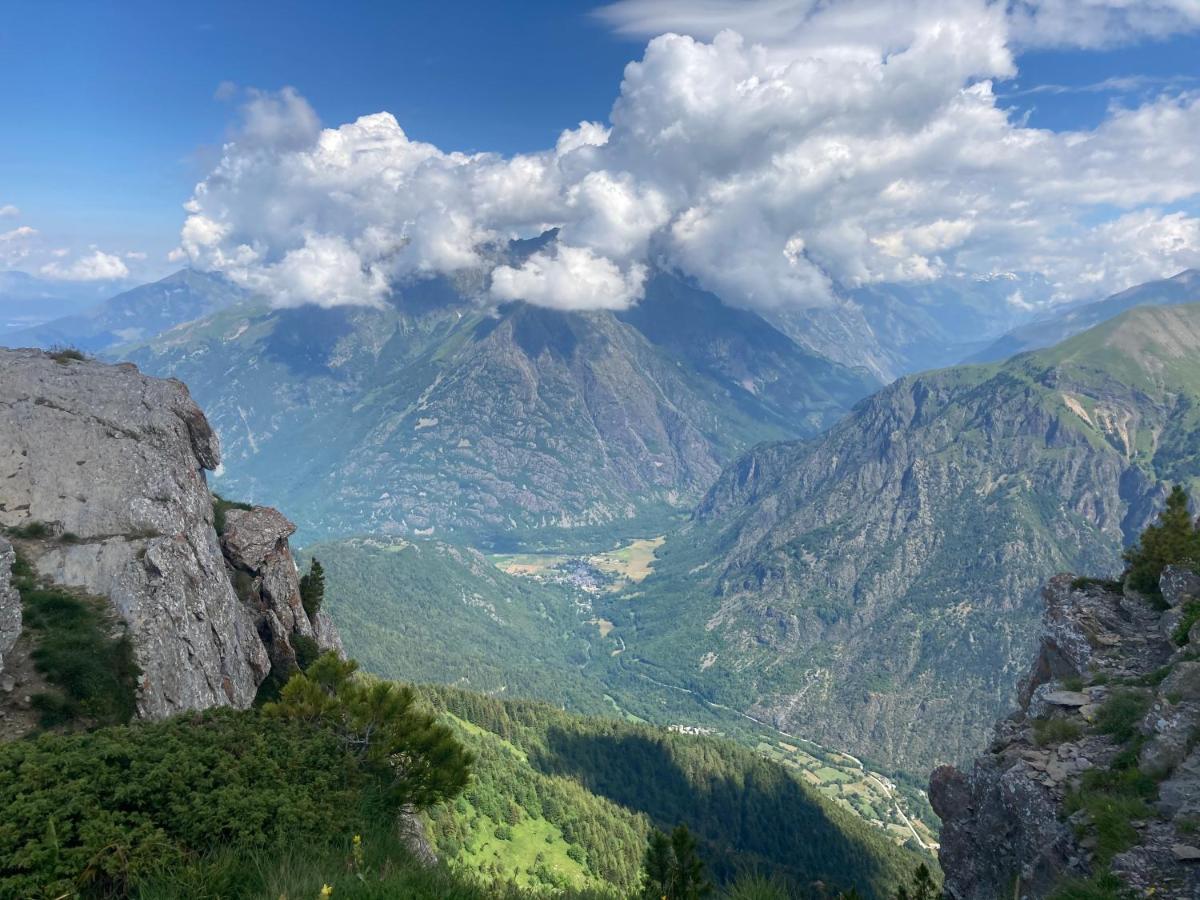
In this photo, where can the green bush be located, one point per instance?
(1121, 713)
(97, 812)
(30, 531)
(63, 354)
(1055, 731)
(76, 651)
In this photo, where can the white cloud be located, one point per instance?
(135, 255)
(94, 266)
(8, 211)
(569, 278)
(837, 144)
(1039, 23)
(15, 244)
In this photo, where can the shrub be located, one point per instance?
(101, 810)
(1055, 731)
(63, 354)
(1101, 886)
(415, 760)
(1109, 584)
(1120, 714)
(30, 531)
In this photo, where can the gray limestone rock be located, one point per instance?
(10, 602)
(112, 463)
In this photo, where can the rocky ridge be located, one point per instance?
(102, 478)
(1065, 791)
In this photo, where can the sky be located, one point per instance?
(777, 151)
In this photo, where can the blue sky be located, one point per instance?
(118, 114)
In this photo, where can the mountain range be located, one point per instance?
(877, 587)
(434, 415)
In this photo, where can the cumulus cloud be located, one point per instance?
(8, 211)
(819, 146)
(94, 266)
(569, 278)
(1038, 23)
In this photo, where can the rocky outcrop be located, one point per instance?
(10, 602)
(102, 470)
(1024, 817)
(263, 571)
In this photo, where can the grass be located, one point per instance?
(1113, 800)
(63, 354)
(383, 869)
(75, 650)
(1121, 714)
(1047, 732)
(30, 531)
(1101, 886)
(1191, 614)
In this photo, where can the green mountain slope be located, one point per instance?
(587, 790)
(432, 415)
(875, 589)
(430, 612)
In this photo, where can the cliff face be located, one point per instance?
(1097, 774)
(107, 466)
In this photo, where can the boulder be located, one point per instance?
(115, 460)
(1179, 584)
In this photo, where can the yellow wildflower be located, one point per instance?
(326, 890)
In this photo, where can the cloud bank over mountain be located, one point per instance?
(774, 150)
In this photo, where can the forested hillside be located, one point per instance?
(546, 778)
(876, 589)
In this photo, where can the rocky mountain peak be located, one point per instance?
(103, 490)
(1096, 776)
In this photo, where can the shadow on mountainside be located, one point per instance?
(757, 813)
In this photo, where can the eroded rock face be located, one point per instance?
(1006, 829)
(263, 571)
(112, 463)
(10, 603)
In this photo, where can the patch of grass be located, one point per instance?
(1191, 614)
(1055, 731)
(31, 531)
(1112, 799)
(1074, 683)
(222, 506)
(75, 650)
(1101, 886)
(63, 354)
(69, 537)
(1121, 713)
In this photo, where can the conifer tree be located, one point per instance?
(1172, 540)
(673, 868)
(312, 588)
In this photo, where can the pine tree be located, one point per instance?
(673, 868)
(1172, 540)
(312, 588)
